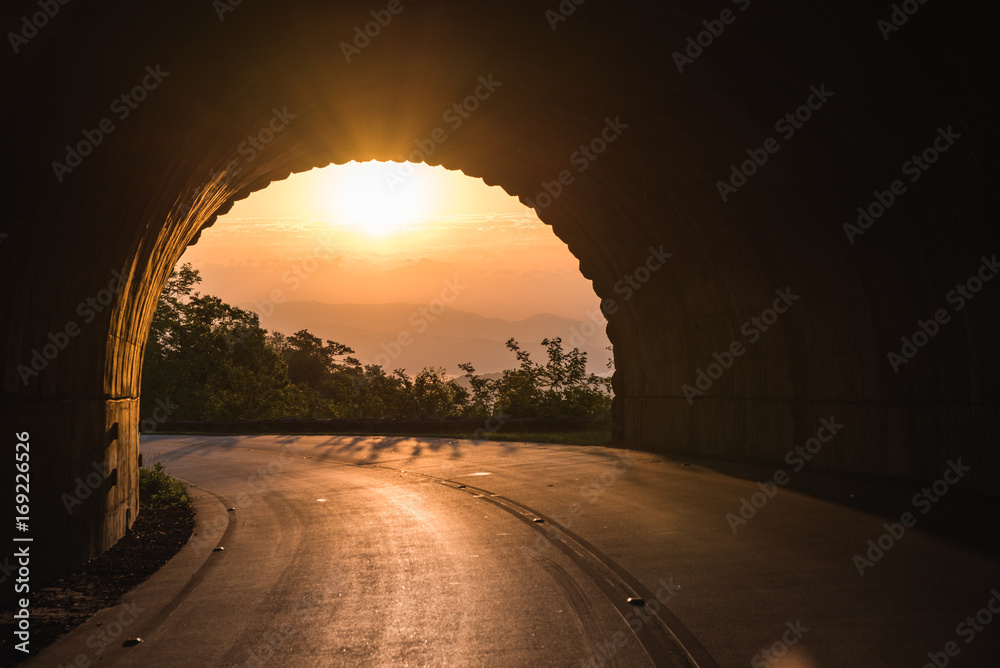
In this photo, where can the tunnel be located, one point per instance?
(782, 207)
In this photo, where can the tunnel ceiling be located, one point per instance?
(668, 126)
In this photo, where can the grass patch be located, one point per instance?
(158, 489)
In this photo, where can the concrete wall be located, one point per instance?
(143, 193)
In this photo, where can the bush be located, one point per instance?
(160, 489)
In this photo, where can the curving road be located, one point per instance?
(351, 551)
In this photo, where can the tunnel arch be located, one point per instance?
(461, 212)
(211, 80)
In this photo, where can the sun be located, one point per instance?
(378, 198)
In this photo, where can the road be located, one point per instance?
(389, 551)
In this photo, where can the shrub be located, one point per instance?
(159, 488)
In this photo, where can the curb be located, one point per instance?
(141, 610)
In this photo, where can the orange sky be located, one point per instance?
(380, 233)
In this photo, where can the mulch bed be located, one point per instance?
(158, 532)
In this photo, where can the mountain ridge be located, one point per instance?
(414, 336)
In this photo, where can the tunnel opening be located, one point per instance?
(245, 101)
(423, 283)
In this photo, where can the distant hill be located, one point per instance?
(378, 332)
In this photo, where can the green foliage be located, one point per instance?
(211, 359)
(483, 396)
(215, 363)
(160, 488)
(435, 395)
(559, 387)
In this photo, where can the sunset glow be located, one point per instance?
(378, 198)
(375, 233)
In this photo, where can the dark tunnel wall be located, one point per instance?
(216, 76)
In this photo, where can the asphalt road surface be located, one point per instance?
(388, 551)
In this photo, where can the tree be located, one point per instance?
(483, 398)
(560, 387)
(310, 361)
(211, 359)
(215, 362)
(563, 369)
(435, 395)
